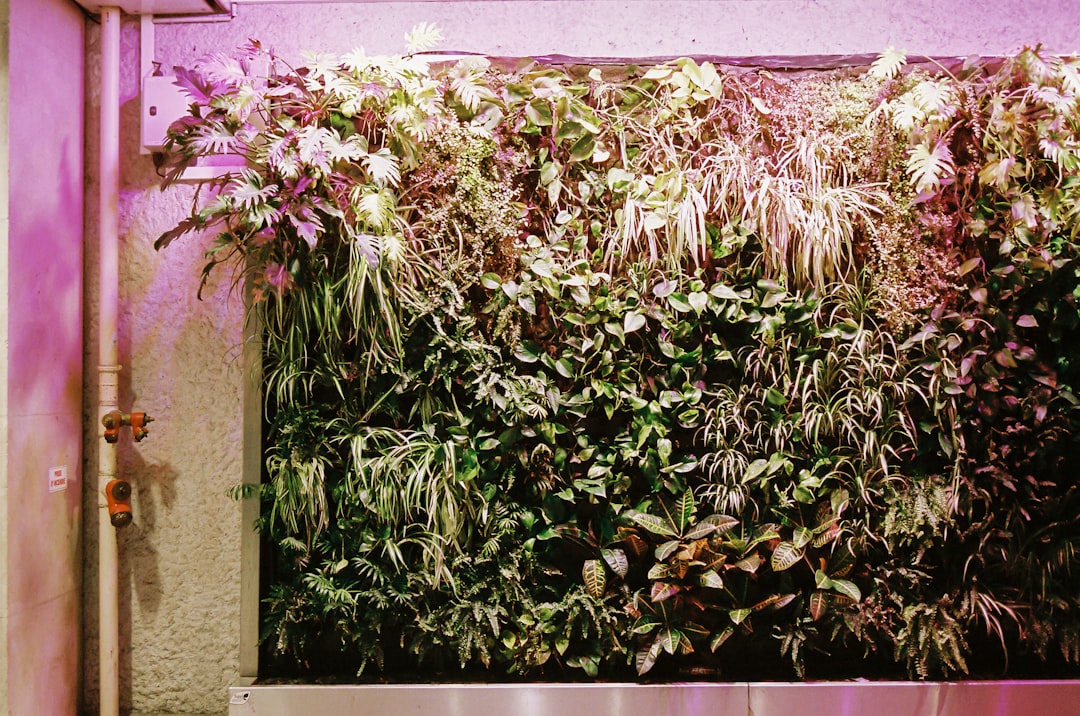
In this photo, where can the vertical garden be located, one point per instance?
(596, 372)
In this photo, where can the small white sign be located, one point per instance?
(57, 478)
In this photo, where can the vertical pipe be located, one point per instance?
(108, 308)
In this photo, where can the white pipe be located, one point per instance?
(108, 391)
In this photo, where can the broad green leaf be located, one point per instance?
(764, 533)
(802, 537)
(489, 444)
(969, 266)
(569, 130)
(727, 293)
(598, 470)
(539, 113)
(756, 468)
(775, 398)
(632, 321)
(528, 352)
(678, 302)
(583, 148)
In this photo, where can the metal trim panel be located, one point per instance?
(473, 699)
(962, 698)
(855, 698)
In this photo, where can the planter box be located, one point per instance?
(855, 698)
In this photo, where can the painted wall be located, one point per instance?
(181, 559)
(41, 562)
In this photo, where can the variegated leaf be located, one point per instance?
(663, 590)
(750, 564)
(802, 537)
(711, 579)
(847, 588)
(785, 556)
(684, 510)
(776, 601)
(654, 524)
(616, 560)
(645, 659)
(669, 639)
(659, 570)
(719, 639)
(818, 605)
(595, 578)
(665, 550)
(718, 524)
(738, 616)
(827, 535)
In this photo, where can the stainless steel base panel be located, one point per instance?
(856, 698)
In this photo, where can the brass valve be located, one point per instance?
(115, 420)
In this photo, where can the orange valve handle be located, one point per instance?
(138, 425)
(115, 420)
(112, 422)
(118, 495)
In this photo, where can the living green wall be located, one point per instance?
(583, 371)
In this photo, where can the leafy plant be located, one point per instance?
(567, 369)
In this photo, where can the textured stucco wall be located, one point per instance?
(41, 565)
(180, 560)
